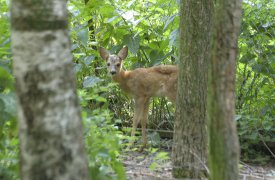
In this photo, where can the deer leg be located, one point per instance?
(143, 121)
(135, 124)
(137, 115)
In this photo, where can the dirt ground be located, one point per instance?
(149, 165)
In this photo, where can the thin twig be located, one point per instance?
(266, 145)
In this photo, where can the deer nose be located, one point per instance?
(113, 72)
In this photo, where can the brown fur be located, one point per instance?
(142, 84)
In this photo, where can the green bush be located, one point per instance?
(255, 106)
(103, 138)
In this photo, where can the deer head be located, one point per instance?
(114, 62)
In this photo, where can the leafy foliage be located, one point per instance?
(255, 78)
(102, 136)
(8, 129)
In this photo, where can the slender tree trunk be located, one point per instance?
(190, 135)
(224, 146)
(51, 139)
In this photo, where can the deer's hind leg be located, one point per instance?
(140, 116)
(143, 121)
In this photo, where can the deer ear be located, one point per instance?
(123, 53)
(103, 53)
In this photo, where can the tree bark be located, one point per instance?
(190, 135)
(224, 146)
(50, 131)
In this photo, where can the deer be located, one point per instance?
(141, 84)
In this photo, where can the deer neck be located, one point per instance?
(119, 77)
(122, 78)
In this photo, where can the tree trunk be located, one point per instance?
(190, 135)
(51, 139)
(224, 146)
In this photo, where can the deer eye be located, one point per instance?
(118, 64)
(108, 64)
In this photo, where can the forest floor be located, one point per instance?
(153, 165)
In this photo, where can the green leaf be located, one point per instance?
(170, 20)
(7, 107)
(238, 117)
(174, 38)
(101, 99)
(77, 67)
(6, 79)
(162, 156)
(118, 167)
(132, 42)
(112, 19)
(2, 105)
(155, 138)
(9, 102)
(156, 57)
(107, 10)
(83, 36)
(90, 81)
(104, 153)
(153, 166)
(88, 60)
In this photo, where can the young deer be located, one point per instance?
(142, 84)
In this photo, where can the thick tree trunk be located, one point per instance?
(224, 146)
(51, 139)
(190, 135)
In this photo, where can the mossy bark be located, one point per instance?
(223, 145)
(50, 132)
(190, 134)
